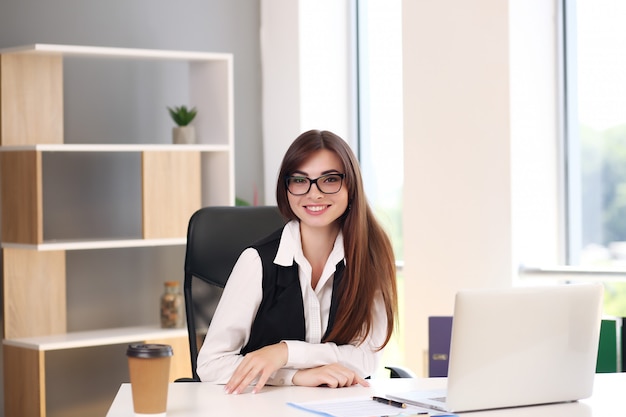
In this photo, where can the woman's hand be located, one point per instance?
(261, 363)
(333, 375)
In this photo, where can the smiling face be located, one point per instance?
(316, 209)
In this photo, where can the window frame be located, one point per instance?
(569, 137)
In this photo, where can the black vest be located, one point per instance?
(281, 312)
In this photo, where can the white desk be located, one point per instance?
(201, 399)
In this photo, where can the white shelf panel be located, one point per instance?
(116, 148)
(133, 53)
(92, 338)
(97, 244)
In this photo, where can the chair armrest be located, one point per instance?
(400, 372)
(186, 380)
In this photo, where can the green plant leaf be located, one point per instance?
(241, 202)
(181, 115)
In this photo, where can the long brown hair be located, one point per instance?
(370, 263)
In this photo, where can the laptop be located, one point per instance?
(517, 347)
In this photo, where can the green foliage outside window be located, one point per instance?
(603, 171)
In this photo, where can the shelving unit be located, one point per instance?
(175, 181)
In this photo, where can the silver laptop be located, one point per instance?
(519, 346)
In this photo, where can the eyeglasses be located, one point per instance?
(327, 184)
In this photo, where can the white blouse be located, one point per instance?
(230, 327)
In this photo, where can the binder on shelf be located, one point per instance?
(610, 346)
(622, 336)
(439, 335)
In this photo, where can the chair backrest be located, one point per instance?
(216, 236)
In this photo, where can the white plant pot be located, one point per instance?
(184, 135)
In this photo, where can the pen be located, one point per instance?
(390, 402)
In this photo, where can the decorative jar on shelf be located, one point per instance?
(172, 306)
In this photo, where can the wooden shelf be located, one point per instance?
(131, 53)
(73, 340)
(97, 244)
(173, 186)
(25, 360)
(116, 148)
(173, 182)
(32, 70)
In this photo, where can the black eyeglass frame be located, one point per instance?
(314, 181)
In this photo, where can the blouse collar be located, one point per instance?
(290, 248)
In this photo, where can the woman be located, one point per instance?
(315, 302)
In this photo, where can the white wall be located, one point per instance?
(480, 147)
(480, 150)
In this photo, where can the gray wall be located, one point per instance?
(116, 103)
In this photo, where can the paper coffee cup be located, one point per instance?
(149, 368)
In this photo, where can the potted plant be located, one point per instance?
(183, 133)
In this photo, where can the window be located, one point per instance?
(595, 89)
(380, 110)
(379, 67)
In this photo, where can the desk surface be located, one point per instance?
(193, 399)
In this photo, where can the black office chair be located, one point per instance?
(216, 236)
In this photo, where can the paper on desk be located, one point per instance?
(354, 407)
